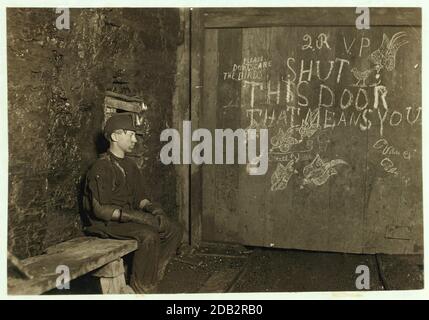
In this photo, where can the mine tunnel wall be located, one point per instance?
(57, 81)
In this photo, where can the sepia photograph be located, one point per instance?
(198, 150)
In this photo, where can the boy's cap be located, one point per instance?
(119, 121)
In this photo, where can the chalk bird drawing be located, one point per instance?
(318, 171)
(361, 76)
(284, 140)
(307, 130)
(385, 56)
(280, 177)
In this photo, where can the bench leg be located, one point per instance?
(112, 278)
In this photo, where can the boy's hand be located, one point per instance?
(140, 217)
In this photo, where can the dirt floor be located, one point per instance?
(218, 268)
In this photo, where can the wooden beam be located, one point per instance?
(112, 278)
(181, 112)
(311, 16)
(115, 103)
(123, 97)
(110, 270)
(197, 41)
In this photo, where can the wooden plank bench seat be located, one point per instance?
(102, 257)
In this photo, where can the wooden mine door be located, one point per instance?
(342, 106)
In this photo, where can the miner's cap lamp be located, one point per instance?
(118, 121)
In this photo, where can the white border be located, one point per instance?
(414, 294)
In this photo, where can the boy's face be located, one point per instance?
(125, 139)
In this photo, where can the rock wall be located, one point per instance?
(56, 85)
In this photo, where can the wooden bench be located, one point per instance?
(101, 257)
